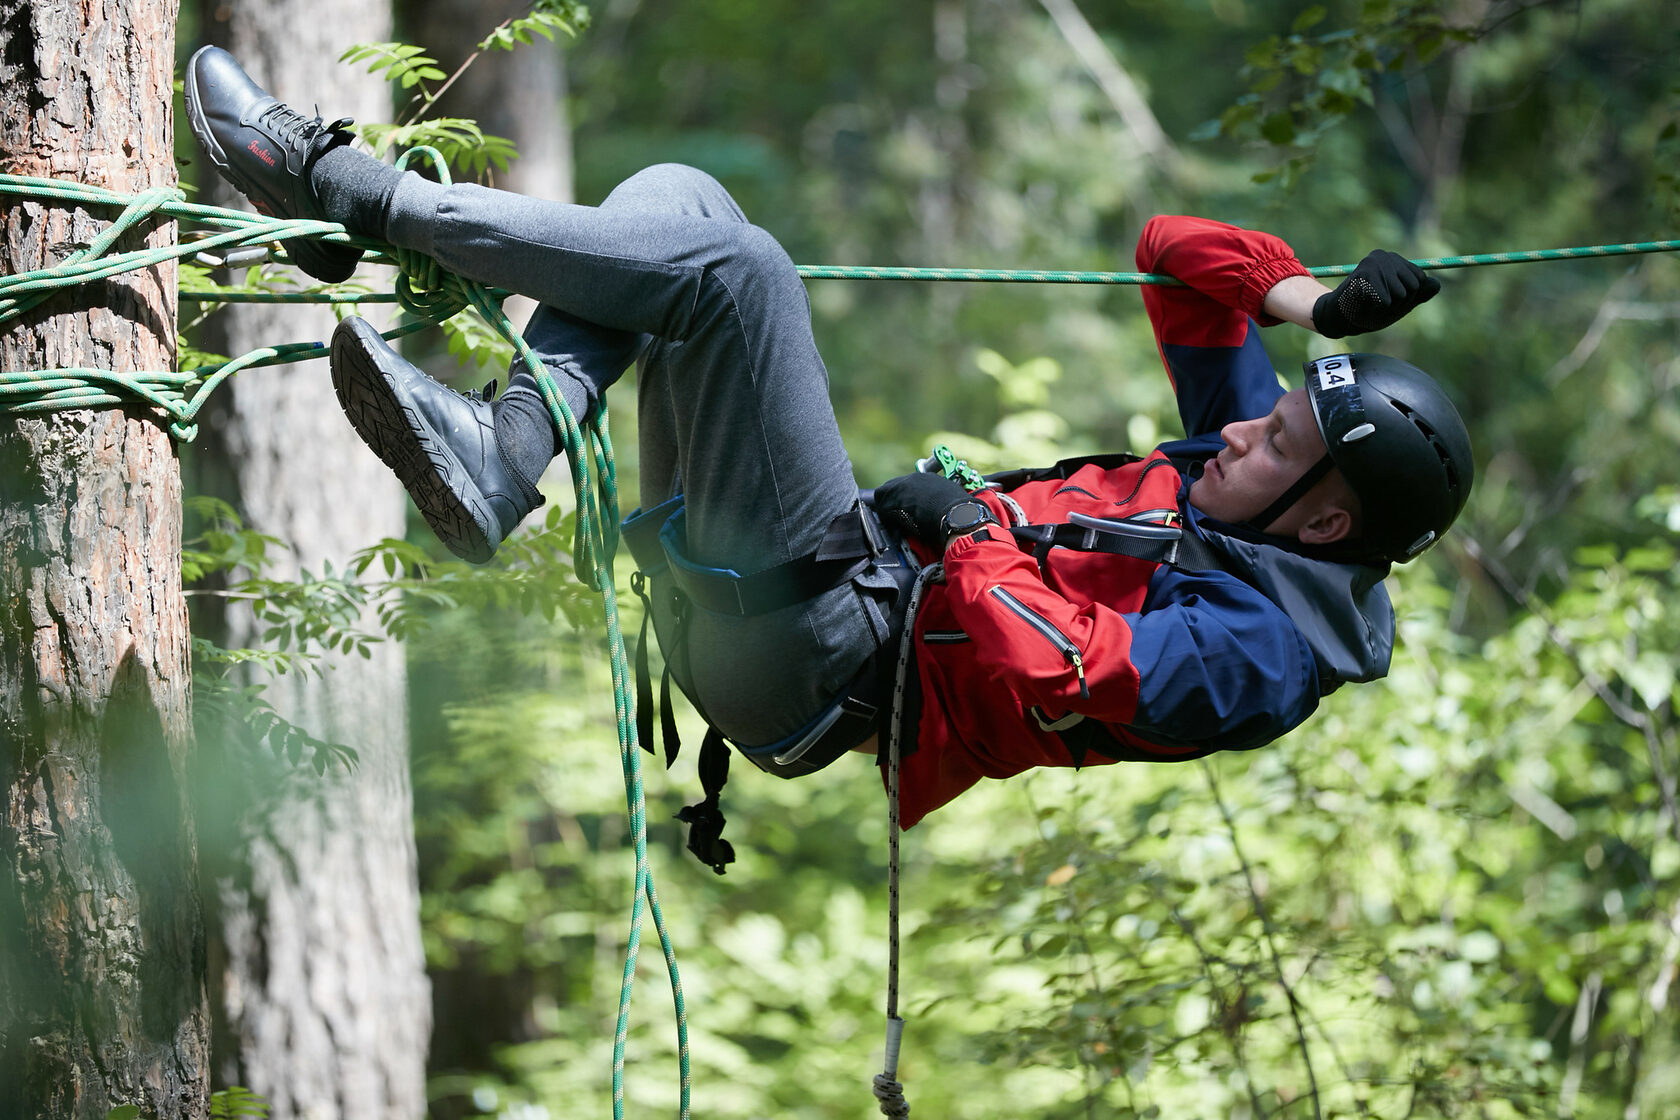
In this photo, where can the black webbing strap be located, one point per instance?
(1158, 544)
(644, 686)
(1292, 495)
(705, 818)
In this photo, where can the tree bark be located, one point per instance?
(102, 998)
(322, 1001)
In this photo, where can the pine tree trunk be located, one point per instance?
(322, 1002)
(102, 998)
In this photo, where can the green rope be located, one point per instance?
(426, 290)
(1029, 276)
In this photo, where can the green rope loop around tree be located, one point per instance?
(432, 294)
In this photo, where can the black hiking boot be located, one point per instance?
(265, 149)
(442, 444)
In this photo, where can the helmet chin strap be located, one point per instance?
(1292, 495)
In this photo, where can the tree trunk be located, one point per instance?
(321, 995)
(102, 998)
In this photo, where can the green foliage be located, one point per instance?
(222, 702)
(303, 618)
(1301, 85)
(1028, 430)
(237, 1103)
(232, 1103)
(472, 341)
(225, 698)
(402, 64)
(223, 542)
(460, 141)
(545, 18)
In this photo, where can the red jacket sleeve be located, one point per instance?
(1227, 272)
(1205, 330)
(1052, 653)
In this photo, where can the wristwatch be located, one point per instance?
(965, 517)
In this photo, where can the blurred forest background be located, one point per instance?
(1452, 893)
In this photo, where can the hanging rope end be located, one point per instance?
(888, 1091)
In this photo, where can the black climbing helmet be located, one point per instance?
(1399, 442)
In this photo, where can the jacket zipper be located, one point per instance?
(1048, 630)
(1162, 516)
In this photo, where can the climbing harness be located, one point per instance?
(655, 538)
(853, 543)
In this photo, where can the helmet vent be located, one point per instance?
(1433, 440)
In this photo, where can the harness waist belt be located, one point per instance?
(852, 542)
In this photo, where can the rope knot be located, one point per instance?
(890, 1095)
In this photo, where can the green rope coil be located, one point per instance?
(180, 395)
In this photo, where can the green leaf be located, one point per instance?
(1308, 19)
(1278, 127)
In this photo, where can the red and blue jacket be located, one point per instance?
(1079, 658)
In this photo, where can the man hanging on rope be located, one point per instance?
(1201, 598)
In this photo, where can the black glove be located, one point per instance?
(1383, 288)
(918, 503)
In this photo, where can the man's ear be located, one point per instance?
(1330, 524)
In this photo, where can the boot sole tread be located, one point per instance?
(400, 436)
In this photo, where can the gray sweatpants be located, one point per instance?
(733, 403)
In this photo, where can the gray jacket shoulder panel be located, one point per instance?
(1343, 610)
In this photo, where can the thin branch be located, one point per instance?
(1117, 85)
(1234, 1037)
(1295, 1006)
(1611, 311)
(423, 103)
(1617, 706)
(1578, 1032)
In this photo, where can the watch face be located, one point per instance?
(965, 515)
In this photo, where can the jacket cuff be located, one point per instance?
(1261, 278)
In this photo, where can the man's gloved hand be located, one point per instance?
(1384, 287)
(918, 503)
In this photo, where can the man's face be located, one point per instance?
(1262, 458)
